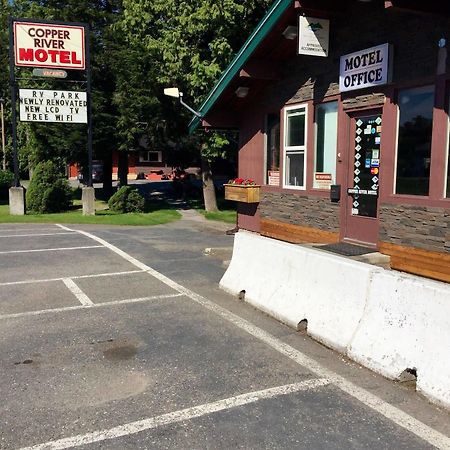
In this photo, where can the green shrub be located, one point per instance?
(6, 181)
(49, 191)
(127, 199)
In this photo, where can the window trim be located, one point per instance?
(315, 126)
(266, 145)
(298, 149)
(446, 196)
(141, 160)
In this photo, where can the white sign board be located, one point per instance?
(366, 68)
(48, 45)
(313, 36)
(37, 105)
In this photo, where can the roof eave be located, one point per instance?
(260, 32)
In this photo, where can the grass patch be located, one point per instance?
(102, 217)
(227, 210)
(224, 216)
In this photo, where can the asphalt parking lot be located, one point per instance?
(119, 338)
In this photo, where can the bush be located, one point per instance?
(127, 199)
(49, 191)
(6, 181)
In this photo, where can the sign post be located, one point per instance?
(51, 48)
(12, 83)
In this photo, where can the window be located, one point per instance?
(294, 146)
(273, 150)
(326, 140)
(414, 140)
(150, 156)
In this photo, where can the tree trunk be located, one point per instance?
(123, 168)
(107, 175)
(209, 193)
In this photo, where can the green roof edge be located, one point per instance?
(260, 32)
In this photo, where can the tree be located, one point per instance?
(190, 43)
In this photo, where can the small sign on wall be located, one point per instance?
(322, 180)
(366, 68)
(313, 36)
(273, 177)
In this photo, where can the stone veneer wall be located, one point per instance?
(422, 227)
(316, 212)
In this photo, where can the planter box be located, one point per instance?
(244, 194)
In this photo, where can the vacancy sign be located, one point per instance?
(37, 105)
(313, 36)
(48, 45)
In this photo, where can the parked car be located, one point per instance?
(97, 173)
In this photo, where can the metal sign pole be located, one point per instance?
(12, 82)
(89, 102)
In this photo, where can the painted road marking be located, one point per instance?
(75, 277)
(32, 235)
(79, 294)
(61, 249)
(389, 411)
(63, 309)
(4, 230)
(179, 416)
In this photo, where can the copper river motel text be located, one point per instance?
(49, 45)
(55, 56)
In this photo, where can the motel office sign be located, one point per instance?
(366, 68)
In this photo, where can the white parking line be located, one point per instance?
(389, 411)
(75, 277)
(36, 234)
(4, 230)
(79, 294)
(61, 249)
(63, 309)
(179, 416)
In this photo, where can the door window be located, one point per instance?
(366, 166)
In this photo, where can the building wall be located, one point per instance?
(310, 211)
(311, 79)
(423, 227)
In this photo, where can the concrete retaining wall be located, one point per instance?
(385, 320)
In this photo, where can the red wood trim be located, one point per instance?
(439, 142)
(388, 146)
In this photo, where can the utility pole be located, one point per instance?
(3, 133)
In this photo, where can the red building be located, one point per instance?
(349, 139)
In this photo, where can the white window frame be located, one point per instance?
(293, 150)
(142, 160)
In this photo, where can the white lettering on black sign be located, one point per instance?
(365, 68)
(37, 105)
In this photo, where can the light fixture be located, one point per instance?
(175, 92)
(242, 91)
(290, 32)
